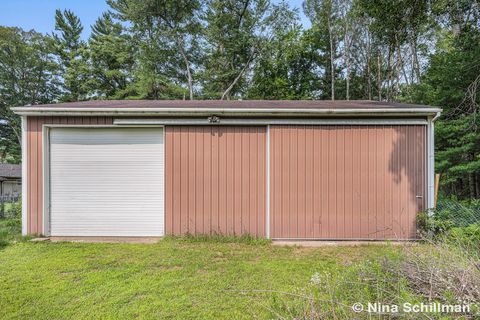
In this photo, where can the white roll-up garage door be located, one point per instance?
(106, 182)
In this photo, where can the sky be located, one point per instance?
(40, 14)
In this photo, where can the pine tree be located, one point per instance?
(111, 59)
(72, 55)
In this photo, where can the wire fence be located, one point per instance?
(458, 213)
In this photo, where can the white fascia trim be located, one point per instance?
(227, 121)
(46, 179)
(431, 161)
(24, 176)
(164, 182)
(56, 111)
(430, 164)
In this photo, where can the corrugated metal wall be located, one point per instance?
(215, 180)
(346, 182)
(349, 182)
(35, 161)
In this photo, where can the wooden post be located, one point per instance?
(437, 182)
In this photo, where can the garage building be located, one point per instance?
(336, 170)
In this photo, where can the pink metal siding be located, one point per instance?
(215, 180)
(326, 182)
(346, 182)
(35, 163)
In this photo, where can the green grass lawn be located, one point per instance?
(173, 279)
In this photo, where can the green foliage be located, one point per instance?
(453, 222)
(468, 236)
(11, 225)
(166, 36)
(72, 54)
(287, 71)
(432, 226)
(28, 75)
(14, 210)
(234, 40)
(111, 59)
(451, 81)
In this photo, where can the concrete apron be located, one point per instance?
(342, 243)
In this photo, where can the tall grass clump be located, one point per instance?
(444, 267)
(11, 225)
(332, 295)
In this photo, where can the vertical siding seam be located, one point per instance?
(335, 179)
(240, 185)
(180, 178)
(268, 177)
(219, 131)
(305, 183)
(226, 181)
(386, 199)
(313, 228)
(195, 162)
(297, 160)
(353, 189)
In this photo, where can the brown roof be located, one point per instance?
(225, 104)
(10, 170)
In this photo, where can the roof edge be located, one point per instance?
(56, 111)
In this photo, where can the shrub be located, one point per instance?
(457, 223)
(14, 211)
(468, 236)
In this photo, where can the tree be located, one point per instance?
(452, 80)
(111, 59)
(72, 55)
(167, 33)
(326, 27)
(28, 75)
(394, 25)
(287, 69)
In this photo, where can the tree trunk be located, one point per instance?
(347, 44)
(400, 60)
(369, 77)
(415, 63)
(348, 72)
(369, 81)
(477, 180)
(239, 76)
(471, 185)
(15, 131)
(379, 77)
(187, 67)
(389, 72)
(332, 63)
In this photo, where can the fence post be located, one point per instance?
(2, 208)
(437, 182)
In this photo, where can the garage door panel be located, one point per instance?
(106, 182)
(346, 182)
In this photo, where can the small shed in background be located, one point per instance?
(10, 180)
